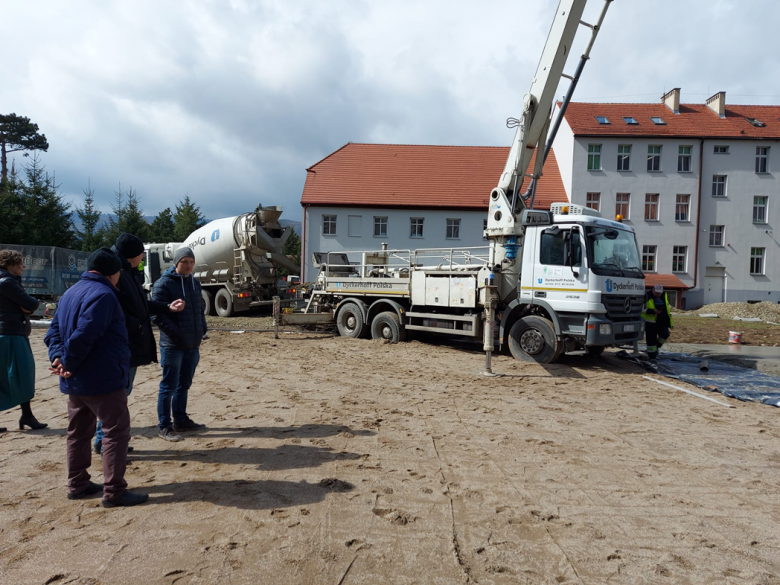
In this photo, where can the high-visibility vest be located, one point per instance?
(648, 311)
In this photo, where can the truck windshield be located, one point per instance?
(613, 252)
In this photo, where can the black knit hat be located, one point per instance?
(129, 245)
(104, 261)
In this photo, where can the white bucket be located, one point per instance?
(735, 337)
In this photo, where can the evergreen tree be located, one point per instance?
(90, 237)
(47, 218)
(162, 229)
(291, 248)
(12, 216)
(187, 218)
(17, 133)
(128, 218)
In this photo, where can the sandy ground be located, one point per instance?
(338, 461)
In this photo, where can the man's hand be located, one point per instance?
(57, 369)
(176, 306)
(25, 311)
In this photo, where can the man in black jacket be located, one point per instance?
(138, 310)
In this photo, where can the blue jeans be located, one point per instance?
(178, 369)
(99, 432)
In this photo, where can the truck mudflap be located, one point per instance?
(602, 331)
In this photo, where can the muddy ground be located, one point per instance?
(338, 461)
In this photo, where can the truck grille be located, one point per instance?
(616, 306)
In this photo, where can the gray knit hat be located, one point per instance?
(183, 252)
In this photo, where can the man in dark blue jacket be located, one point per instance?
(180, 337)
(88, 349)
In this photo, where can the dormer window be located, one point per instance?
(602, 120)
(630, 120)
(658, 120)
(756, 122)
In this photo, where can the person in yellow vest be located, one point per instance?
(658, 320)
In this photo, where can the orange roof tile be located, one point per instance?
(418, 176)
(665, 280)
(694, 120)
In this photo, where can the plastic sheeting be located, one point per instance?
(729, 380)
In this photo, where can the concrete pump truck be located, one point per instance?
(549, 282)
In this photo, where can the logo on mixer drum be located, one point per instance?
(214, 235)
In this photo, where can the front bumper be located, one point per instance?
(602, 331)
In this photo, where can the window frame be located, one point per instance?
(619, 204)
(379, 223)
(716, 234)
(603, 120)
(327, 221)
(757, 261)
(657, 120)
(654, 157)
(680, 259)
(762, 208)
(687, 205)
(453, 229)
(762, 160)
(413, 223)
(630, 120)
(593, 197)
(594, 157)
(684, 159)
(720, 185)
(725, 148)
(649, 257)
(624, 158)
(649, 206)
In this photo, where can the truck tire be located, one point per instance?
(533, 339)
(208, 302)
(350, 321)
(223, 303)
(388, 326)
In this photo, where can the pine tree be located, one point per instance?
(47, 218)
(128, 218)
(162, 229)
(12, 216)
(17, 133)
(187, 218)
(90, 236)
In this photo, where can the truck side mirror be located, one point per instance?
(569, 252)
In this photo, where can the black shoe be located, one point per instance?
(3, 429)
(98, 448)
(128, 498)
(32, 422)
(91, 489)
(187, 425)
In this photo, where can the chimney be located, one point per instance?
(672, 100)
(717, 103)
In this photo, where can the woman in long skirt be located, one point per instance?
(17, 366)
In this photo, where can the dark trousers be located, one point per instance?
(178, 369)
(656, 334)
(83, 412)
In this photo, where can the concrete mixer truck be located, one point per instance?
(237, 260)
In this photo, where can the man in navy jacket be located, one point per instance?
(88, 349)
(180, 337)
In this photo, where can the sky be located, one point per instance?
(229, 101)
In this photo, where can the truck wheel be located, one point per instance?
(533, 339)
(223, 303)
(350, 321)
(594, 350)
(387, 326)
(208, 302)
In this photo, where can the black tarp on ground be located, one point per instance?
(729, 380)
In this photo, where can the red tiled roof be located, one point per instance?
(397, 175)
(694, 120)
(665, 280)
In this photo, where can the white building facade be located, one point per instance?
(698, 183)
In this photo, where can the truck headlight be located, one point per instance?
(605, 329)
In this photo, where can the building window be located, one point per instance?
(354, 226)
(629, 120)
(648, 258)
(757, 260)
(416, 227)
(453, 229)
(657, 120)
(684, 159)
(594, 157)
(718, 185)
(593, 201)
(622, 204)
(328, 225)
(484, 228)
(762, 153)
(679, 255)
(682, 209)
(602, 120)
(654, 158)
(716, 235)
(759, 209)
(380, 227)
(651, 207)
(624, 157)
(721, 149)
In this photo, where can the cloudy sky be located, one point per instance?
(230, 101)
